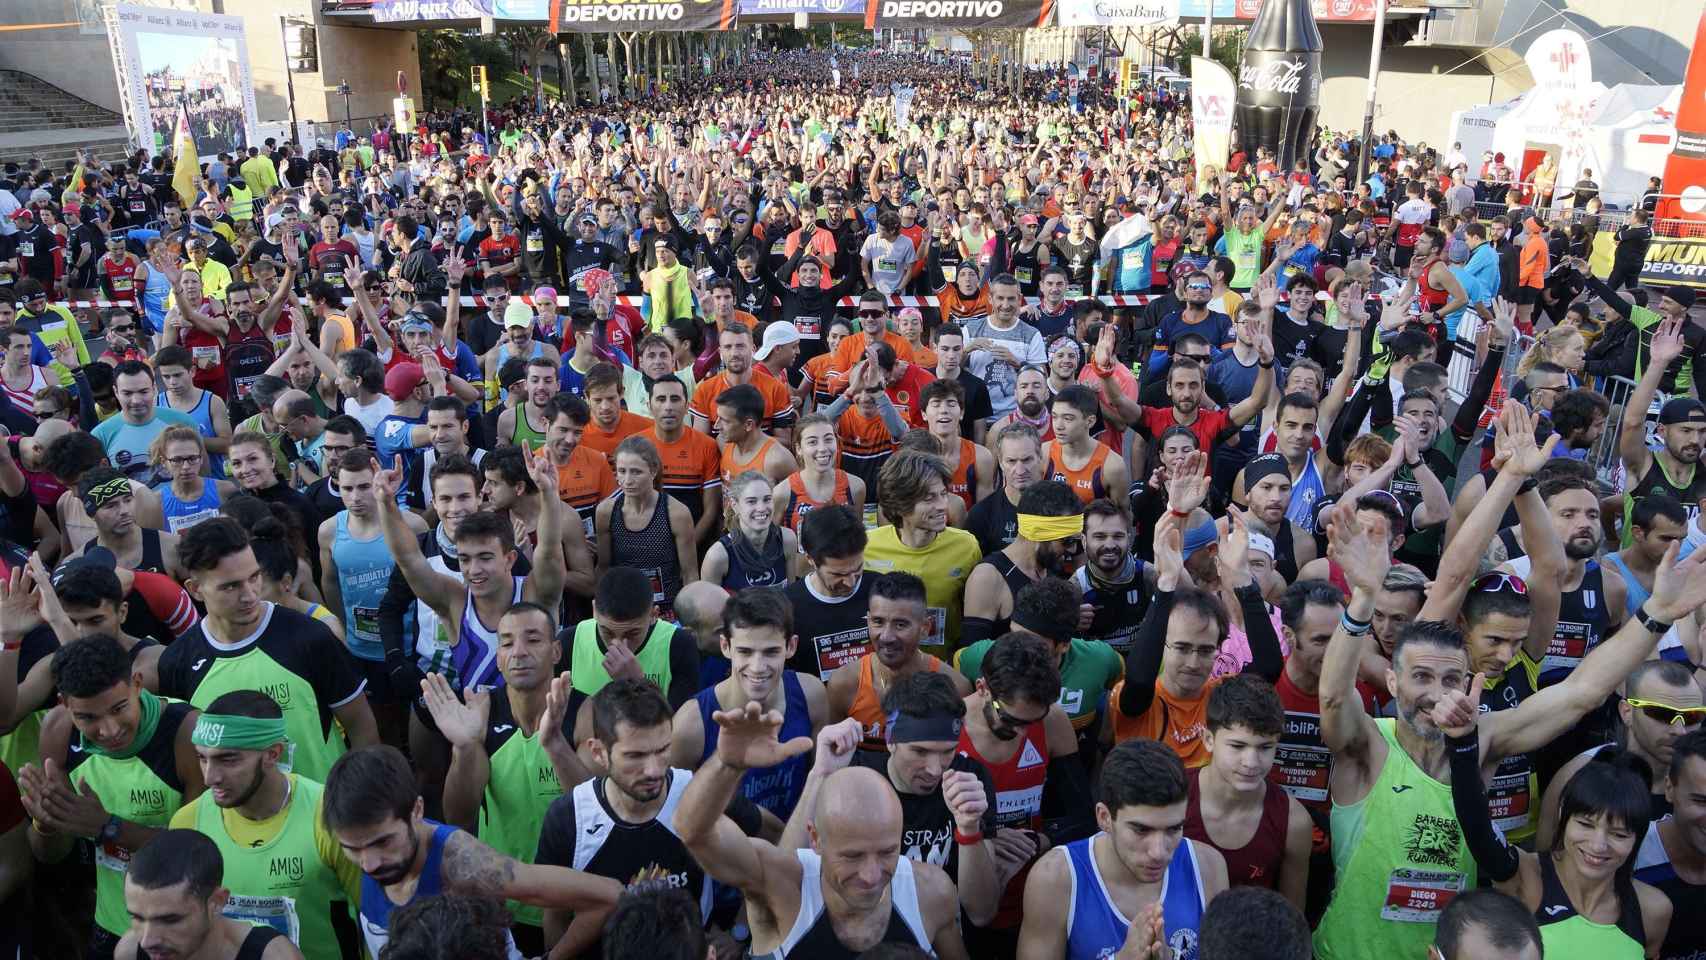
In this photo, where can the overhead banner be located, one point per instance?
(1117, 13)
(616, 16)
(1685, 169)
(1214, 97)
(816, 8)
(956, 14)
(1675, 262)
(401, 11)
(1326, 11)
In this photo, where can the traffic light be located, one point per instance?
(301, 48)
(479, 78)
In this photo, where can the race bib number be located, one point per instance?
(1303, 771)
(535, 242)
(1015, 808)
(1022, 274)
(279, 913)
(26, 249)
(1131, 260)
(1418, 896)
(1073, 291)
(938, 625)
(366, 621)
(111, 856)
(138, 206)
(1507, 794)
(887, 265)
(122, 285)
(1569, 644)
(837, 650)
(655, 575)
(779, 248)
(205, 357)
(809, 326)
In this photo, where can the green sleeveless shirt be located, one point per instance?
(283, 883)
(586, 662)
(1400, 858)
(314, 745)
(519, 790)
(524, 436)
(144, 789)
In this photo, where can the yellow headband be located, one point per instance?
(1042, 529)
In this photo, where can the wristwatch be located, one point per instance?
(1653, 624)
(109, 830)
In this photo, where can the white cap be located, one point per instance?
(778, 334)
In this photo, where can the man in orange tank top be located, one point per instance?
(973, 466)
(746, 447)
(1077, 459)
(899, 622)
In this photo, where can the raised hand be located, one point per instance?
(1364, 559)
(1667, 342)
(1234, 551)
(1267, 290)
(1354, 306)
(463, 723)
(19, 603)
(556, 708)
(836, 744)
(747, 738)
(544, 474)
(1105, 346)
(1456, 712)
(1189, 487)
(1522, 453)
(389, 480)
(1679, 587)
(1504, 319)
(454, 268)
(1169, 552)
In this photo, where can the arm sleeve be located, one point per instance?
(404, 672)
(1469, 800)
(1067, 801)
(683, 668)
(1265, 659)
(746, 815)
(1143, 661)
(974, 629)
(1612, 298)
(1344, 429)
(1469, 413)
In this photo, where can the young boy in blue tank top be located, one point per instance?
(1138, 881)
(758, 638)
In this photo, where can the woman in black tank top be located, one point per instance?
(663, 548)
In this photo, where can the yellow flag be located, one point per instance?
(187, 171)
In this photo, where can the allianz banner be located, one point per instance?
(1676, 261)
(956, 14)
(611, 16)
(841, 8)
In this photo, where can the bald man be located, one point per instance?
(699, 608)
(297, 415)
(851, 891)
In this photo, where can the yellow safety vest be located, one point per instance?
(242, 203)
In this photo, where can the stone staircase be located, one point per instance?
(38, 119)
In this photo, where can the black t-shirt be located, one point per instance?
(1292, 340)
(994, 521)
(926, 823)
(977, 406)
(833, 633)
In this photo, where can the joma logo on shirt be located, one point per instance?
(290, 868)
(279, 692)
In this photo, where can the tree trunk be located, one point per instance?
(617, 85)
(565, 73)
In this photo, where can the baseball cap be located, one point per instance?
(589, 218)
(402, 379)
(94, 558)
(518, 314)
(1682, 410)
(778, 334)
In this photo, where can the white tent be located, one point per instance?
(1629, 137)
(1622, 133)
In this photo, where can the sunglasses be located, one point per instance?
(872, 314)
(1496, 582)
(127, 328)
(1198, 286)
(1669, 715)
(1008, 720)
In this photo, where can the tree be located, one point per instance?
(533, 41)
(444, 65)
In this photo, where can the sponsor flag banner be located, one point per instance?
(902, 103)
(823, 8)
(186, 171)
(1685, 169)
(613, 16)
(1117, 13)
(956, 14)
(1214, 97)
(1676, 261)
(398, 11)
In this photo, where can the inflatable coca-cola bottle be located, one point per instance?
(1279, 82)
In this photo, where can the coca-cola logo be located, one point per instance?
(1275, 76)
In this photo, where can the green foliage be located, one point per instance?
(1228, 48)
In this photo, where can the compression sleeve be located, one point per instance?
(1143, 660)
(1265, 658)
(1469, 800)
(1067, 803)
(1469, 413)
(974, 629)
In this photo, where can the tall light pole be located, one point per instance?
(1373, 82)
(343, 88)
(289, 75)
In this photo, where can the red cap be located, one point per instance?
(402, 379)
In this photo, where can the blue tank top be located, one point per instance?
(376, 908)
(1095, 927)
(184, 514)
(202, 414)
(154, 295)
(1670, 646)
(364, 571)
(776, 789)
(1305, 493)
(772, 571)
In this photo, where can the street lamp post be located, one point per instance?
(343, 88)
(289, 78)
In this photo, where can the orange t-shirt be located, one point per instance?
(596, 438)
(584, 481)
(852, 349)
(691, 465)
(1180, 724)
(823, 380)
(958, 308)
(865, 443)
(778, 404)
